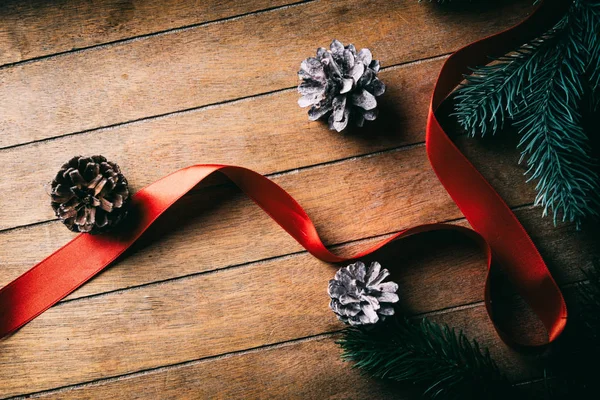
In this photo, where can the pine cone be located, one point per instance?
(342, 84)
(358, 296)
(89, 194)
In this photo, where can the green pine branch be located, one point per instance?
(539, 89)
(590, 17)
(592, 43)
(446, 363)
(553, 141)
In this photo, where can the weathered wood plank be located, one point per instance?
(247, 133)
(239, 308)
(36, 28)
(265, 302)
(162, 315)
(242, 308)
(211, 314)
(349, 200)
(308, 370)
(216, 62)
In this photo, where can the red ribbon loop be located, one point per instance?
(497, 229)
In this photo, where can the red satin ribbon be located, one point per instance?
(497, 230)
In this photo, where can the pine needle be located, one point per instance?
(539, 89)
(445, 363)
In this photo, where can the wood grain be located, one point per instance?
(302, 370)
(246, 133)
(385, 192)
(210, 314)
(215, 299)
(241, 307)
(306, 370)
(217, 62)
(36, 28)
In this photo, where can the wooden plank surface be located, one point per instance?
(306, 370)
(36, 28)
(217, 301)
(245, 133)
(213, 63)
(316, 362)
(210, 314)
(385, 192)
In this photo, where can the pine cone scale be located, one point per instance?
(313, 69)
(76, 177)
(348, 59)
(106, 205)
(312, 87)
(365, 56)
(364, 100)
(91, 171)
(316, 113)
(95, 181)
(339, 105)
(376, 87)
(357, 71)
(347, 85)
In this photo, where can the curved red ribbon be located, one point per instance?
(498, 231)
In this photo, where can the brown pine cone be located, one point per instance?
(89, 194)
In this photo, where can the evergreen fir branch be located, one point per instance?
(591, 19)
(540, 89)
(553, 141)
(491, 93)
(445, 362)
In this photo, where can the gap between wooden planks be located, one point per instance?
(309, 369)
(196, 317)
(214, 63)
(348, 200)
(38, 28)
(305, 369)
(247, 133)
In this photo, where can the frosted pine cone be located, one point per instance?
(359, 296)
(342, 84)
(89, 194)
